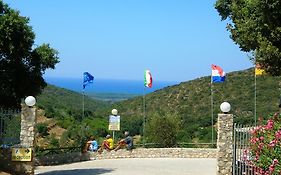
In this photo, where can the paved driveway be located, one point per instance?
(135, 166)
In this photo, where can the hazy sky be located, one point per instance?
(177, 40)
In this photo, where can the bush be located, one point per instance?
(163, 130)
(54, 142)
(42, 129)
(265, 146)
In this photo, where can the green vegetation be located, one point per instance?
(191, 102)
(163, 130)
(255, 26)
(176, 114)
(265, 146)
(65, 107)
(61, 103)
(21, 64)
(42, 129)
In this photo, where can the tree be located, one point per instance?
(21, 65)
(255, 25)
(163, 130)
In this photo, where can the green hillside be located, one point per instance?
(175, 114)
(57, 101)
(190, 104)
(61, 122)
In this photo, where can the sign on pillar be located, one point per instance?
(22, 154)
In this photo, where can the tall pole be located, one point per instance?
(113, 135)
(83, 104)
(82, 127)
(212, 110)
(255, 110)
(143, 129)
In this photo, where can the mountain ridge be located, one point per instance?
(189, 103)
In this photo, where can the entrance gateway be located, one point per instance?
(241, 156)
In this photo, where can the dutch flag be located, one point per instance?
(218, 75)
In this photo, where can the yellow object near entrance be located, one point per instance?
(21, 154)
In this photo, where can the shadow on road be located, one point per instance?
(95, 171)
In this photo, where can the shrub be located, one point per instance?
(42, 129)
(265, 146)
(163, 130)
(54, 142)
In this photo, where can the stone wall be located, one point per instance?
(225, 144)
(159, 153)
(28, 121)
(64, 158)
(135, 153)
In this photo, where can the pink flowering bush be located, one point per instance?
(265, 147)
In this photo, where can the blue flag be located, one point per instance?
(88, 78)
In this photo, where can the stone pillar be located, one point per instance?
(225, 144)
(27, 139)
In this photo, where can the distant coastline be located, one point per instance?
(133, 87)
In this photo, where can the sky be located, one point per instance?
(177, 40)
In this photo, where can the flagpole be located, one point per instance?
(212, 110)
(87, 78)
(143, 129)
(83, 103)
(255, 110)
(81, 126)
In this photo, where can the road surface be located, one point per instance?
(135, 166)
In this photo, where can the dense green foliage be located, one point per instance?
(65, 107)
(42, 129)
(265, 150)
(163, 130)
(21, 65)
(255, 25)
(176, 114)
(191, 102)
(60, 102)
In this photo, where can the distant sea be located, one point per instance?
(108, 86)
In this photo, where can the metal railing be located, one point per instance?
(9, 127)
(52, 151)
(241, 154)
(178, 145)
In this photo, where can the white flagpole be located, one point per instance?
(212, 109)
(143, 129)
(82, 128)
(83, 104)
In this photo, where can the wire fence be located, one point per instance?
(9, 127)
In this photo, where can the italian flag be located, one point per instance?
(147, 79)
